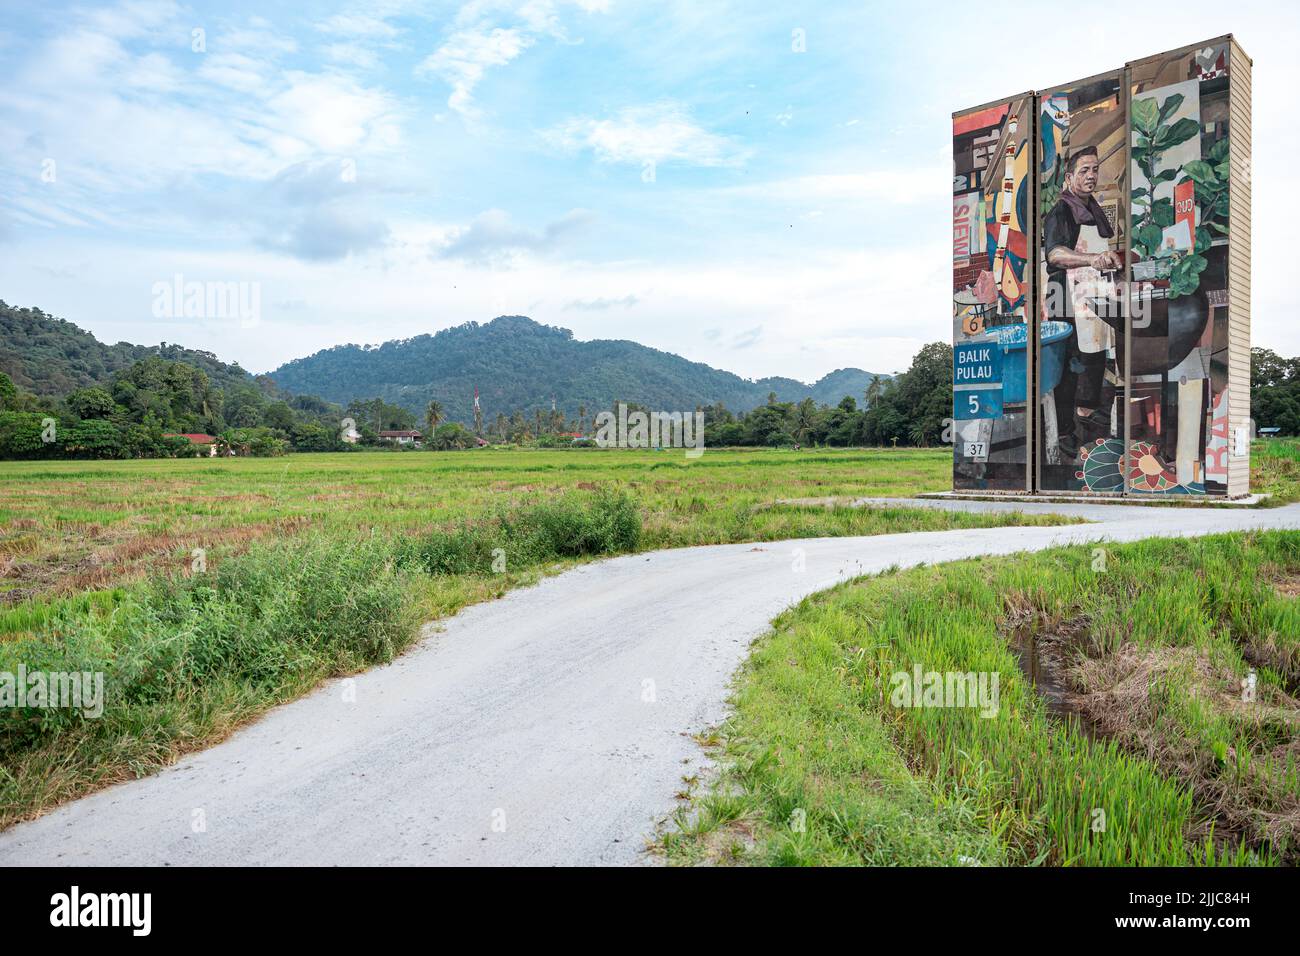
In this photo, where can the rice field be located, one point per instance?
(206, 591)
(75, 533)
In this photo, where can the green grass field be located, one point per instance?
(1148, 750)
(315, 566)
(71, 528)
(319, 565)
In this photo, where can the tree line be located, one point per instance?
(147, 407)
(1275, 391)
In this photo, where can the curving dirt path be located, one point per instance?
(549, 727)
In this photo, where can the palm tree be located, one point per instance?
(805, 415)
(433, 415)
(232, 442)
(874, 390)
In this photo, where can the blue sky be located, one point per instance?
(761, 187)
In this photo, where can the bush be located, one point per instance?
(274, 621)
(467, 550)
(570, 526)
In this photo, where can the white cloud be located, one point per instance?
(326, 234)
(258, 40)
(359, 25)
(493, 33)
(494, 239)
(132, 18)
(235, 71)
(126, 127)
(465, 57)
(333, 113)
(359, 36)
(155, 73)
(352, 54)
(657, 132)
(601, 303)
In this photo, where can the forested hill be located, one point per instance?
(51, 357)
(517, 363)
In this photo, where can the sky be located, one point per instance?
(761, 187)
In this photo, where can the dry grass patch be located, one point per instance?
(1247, 787)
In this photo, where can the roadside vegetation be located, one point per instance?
(1148, 715)
(1275, 469)
(188, 657)
(207, 591)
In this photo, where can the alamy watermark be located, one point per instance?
(640, 429)
(70, 690)
(182, 299)
(973, 689)
(75, 908)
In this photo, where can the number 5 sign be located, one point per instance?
(977, 403)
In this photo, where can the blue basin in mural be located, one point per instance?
(1055, 339)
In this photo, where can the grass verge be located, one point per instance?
(1147, 752)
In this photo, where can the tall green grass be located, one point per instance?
(186, 660)
(1275, 469)
(608, 522)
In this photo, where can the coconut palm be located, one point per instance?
(433, 415)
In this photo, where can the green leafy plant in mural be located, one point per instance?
(1210, 176)
(1155, 136)
(1050, 189)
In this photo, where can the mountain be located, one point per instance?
(51, 357)
(827, 390)
(516, 363)
(519, 364)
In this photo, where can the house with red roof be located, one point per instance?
(204, 445)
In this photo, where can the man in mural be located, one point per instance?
(1076, 246)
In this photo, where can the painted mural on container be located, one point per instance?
(1082, 188)
(992, 220)
(1179, 208)
(1099, 210)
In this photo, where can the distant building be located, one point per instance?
(401, 437)
(204, 445)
